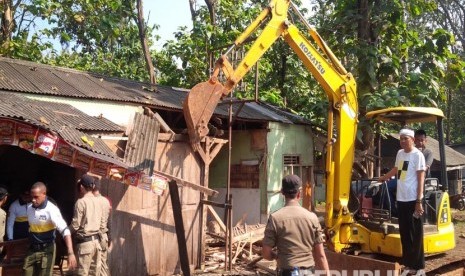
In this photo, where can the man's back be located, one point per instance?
(88, 216)
(294, 231)
(105, 207)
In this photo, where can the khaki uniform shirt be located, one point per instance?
(106, 207)
(294, 231)
(88, 216)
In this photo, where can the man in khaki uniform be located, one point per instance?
(105, 237)
(296, 234)
(86, 224)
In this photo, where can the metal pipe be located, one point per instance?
(230, 201)
(442, 156)
(256, 81)
(227, 213)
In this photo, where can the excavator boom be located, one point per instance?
(344, 231)
(339, 85)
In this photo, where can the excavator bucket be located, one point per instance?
(199, 106)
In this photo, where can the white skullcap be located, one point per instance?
(407, 132)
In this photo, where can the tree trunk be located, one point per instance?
(366, 36)
(211, 5)
(193, 12)
(448, 115)
(7, 25)
(144, 42)
(282, 74)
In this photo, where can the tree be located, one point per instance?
(7, 23)
(143, 40)
(18, 40)
(395, 63)
(450, 15)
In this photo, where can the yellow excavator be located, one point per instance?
(345, 232)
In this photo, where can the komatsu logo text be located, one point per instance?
(312, 59)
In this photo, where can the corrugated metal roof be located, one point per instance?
(259, 111)
(24, 76)
(60, 118)
(10, 79)
(142, 143)
(76, 137)
(52, 115)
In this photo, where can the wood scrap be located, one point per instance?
(242, 220)
(268, 266)
(254, 261)
(217, 218)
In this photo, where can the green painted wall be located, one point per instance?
(281, 139)
(241, 150)
(284, 139)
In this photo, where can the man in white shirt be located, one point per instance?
(17, 225)
(44, 218)
(410, 171)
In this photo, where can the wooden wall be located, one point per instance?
(143, 233)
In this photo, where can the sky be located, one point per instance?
(169, 15)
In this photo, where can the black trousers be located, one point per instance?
(411, 236)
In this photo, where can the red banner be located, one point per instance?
(7, 132)
(100, 167)
(155, 184)
(116, 172)
(25, 135)
(132, 178)
(81, 161)
(45, 143)
(63, 152)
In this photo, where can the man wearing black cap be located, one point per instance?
(296, 234)
(86, 224)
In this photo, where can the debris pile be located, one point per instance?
(246, 250)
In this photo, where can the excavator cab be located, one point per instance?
(438, 227)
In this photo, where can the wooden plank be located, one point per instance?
(142, 219)
(216, 204)
(164, 137)
(217, 218)
(185, 183)
(268, 266)
(179, 225)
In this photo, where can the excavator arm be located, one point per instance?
(338, 84)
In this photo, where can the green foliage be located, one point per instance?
(22, 47)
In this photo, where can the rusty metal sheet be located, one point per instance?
(358, 265)
(141, 148)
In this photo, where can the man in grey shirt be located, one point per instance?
(420, 143)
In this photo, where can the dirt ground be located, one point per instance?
(434, 264)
